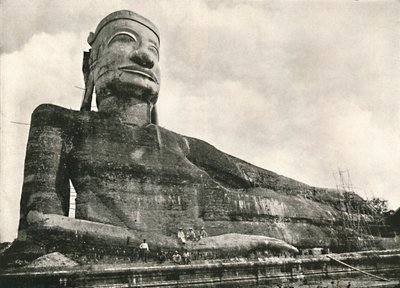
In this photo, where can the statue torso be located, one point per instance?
(127, 175)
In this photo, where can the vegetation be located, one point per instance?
(379, 205)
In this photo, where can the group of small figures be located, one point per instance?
(184, 257)
(177, 258)
(191, 235)
(162, 256)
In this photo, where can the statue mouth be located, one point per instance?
(134, 70)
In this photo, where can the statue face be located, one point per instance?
(126, 64)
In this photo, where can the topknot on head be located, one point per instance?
(123, 14)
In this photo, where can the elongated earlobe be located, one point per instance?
(154, 116)
(89, 82)
(87, 97)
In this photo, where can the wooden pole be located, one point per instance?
(356, 269)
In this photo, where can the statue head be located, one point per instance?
(123, 63)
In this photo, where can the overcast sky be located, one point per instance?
(301, 88)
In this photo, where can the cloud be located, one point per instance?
(44, 71)
(298, 91)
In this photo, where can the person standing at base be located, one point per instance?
(186, 257)
(176, 258)
(191, 235)
(161, 257)
(202, 233)
(181, 236)
(143, 250)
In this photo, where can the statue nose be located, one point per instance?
(142, 59)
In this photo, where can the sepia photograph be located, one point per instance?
(204, 143)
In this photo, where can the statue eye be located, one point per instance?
(123, 37)
(154, 49)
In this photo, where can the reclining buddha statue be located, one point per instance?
(135, 179)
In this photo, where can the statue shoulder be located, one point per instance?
(56, 116)
(188, 145)
(169, 139)
(50, 115)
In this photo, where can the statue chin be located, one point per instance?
(129, 92)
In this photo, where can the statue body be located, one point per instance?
(135, 179)
(150, 181)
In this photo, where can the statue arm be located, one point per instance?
(236, 173)
(222, 167)
(46, 183)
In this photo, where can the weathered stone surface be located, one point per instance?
(237, 242)
(150, 181)
(263, 272)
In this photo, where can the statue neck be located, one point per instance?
(131, 111)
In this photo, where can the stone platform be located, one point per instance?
(263, 272)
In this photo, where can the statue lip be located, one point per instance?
(132, 69)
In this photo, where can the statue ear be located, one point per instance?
(154, 116)
(86, 65)
(90, 38)
(89, 82)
